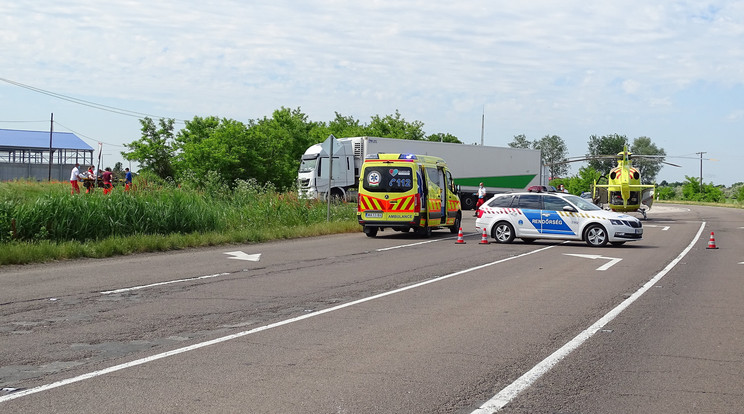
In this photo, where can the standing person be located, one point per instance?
(107, 181)
(74, 178)
(481, 197)
(563, 189)
(127, 180)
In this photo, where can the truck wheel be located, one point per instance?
(337, 196)
(370, 231)
(468, 203)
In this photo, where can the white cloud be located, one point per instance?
(571, 68)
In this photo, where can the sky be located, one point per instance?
(672, 71)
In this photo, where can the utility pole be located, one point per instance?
(483, 123)
(701, 170)
(51, 151)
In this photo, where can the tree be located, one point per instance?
(211, 145)
(554, 152)
(395, 126)
(279, 143)
(647, 167)
(154, 150)
(340, 127)
(443, 137)
(521, 141)
(691, 191)
(739, 194)
(607, 145)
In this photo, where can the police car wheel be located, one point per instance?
(503, 232)
(595, 235)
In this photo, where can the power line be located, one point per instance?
(90, 104)
(85, 136)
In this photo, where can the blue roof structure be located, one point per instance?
(17, 139)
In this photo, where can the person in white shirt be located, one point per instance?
(481, 197)
(74, 178)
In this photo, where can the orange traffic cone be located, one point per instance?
(712, 242)
(459, 237)
(484, 239)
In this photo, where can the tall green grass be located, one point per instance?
(43, 221)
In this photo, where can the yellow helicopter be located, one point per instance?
(624, 191)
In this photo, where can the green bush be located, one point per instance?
(157, 207)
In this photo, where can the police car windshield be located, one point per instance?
(581, 203)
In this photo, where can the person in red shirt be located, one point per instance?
(107, 181)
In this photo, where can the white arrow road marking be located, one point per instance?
(238, 255)
(612, 260)
(663, 228)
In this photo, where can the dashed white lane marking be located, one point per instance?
(129, 289)
(152, 358)
(525, 381)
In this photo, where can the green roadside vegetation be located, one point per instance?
(42, 222)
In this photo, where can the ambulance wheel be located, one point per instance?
(503, 232)
(595, 235)
(456, 227)
(424, 232)
(370, 231)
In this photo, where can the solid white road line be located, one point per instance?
(129, 289)
(156, 357)
(525, 381)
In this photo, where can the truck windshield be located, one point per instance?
(384, 179)
(308, 165)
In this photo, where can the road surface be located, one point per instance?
(394, 324)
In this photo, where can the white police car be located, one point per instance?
(531, 216)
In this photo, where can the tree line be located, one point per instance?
(267, 150)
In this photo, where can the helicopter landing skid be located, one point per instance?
(643, 211)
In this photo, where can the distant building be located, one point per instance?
(25, 154)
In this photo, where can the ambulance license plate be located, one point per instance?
(373, 215)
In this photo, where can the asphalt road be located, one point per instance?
(395, 324)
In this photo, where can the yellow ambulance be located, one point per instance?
(407, 192)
